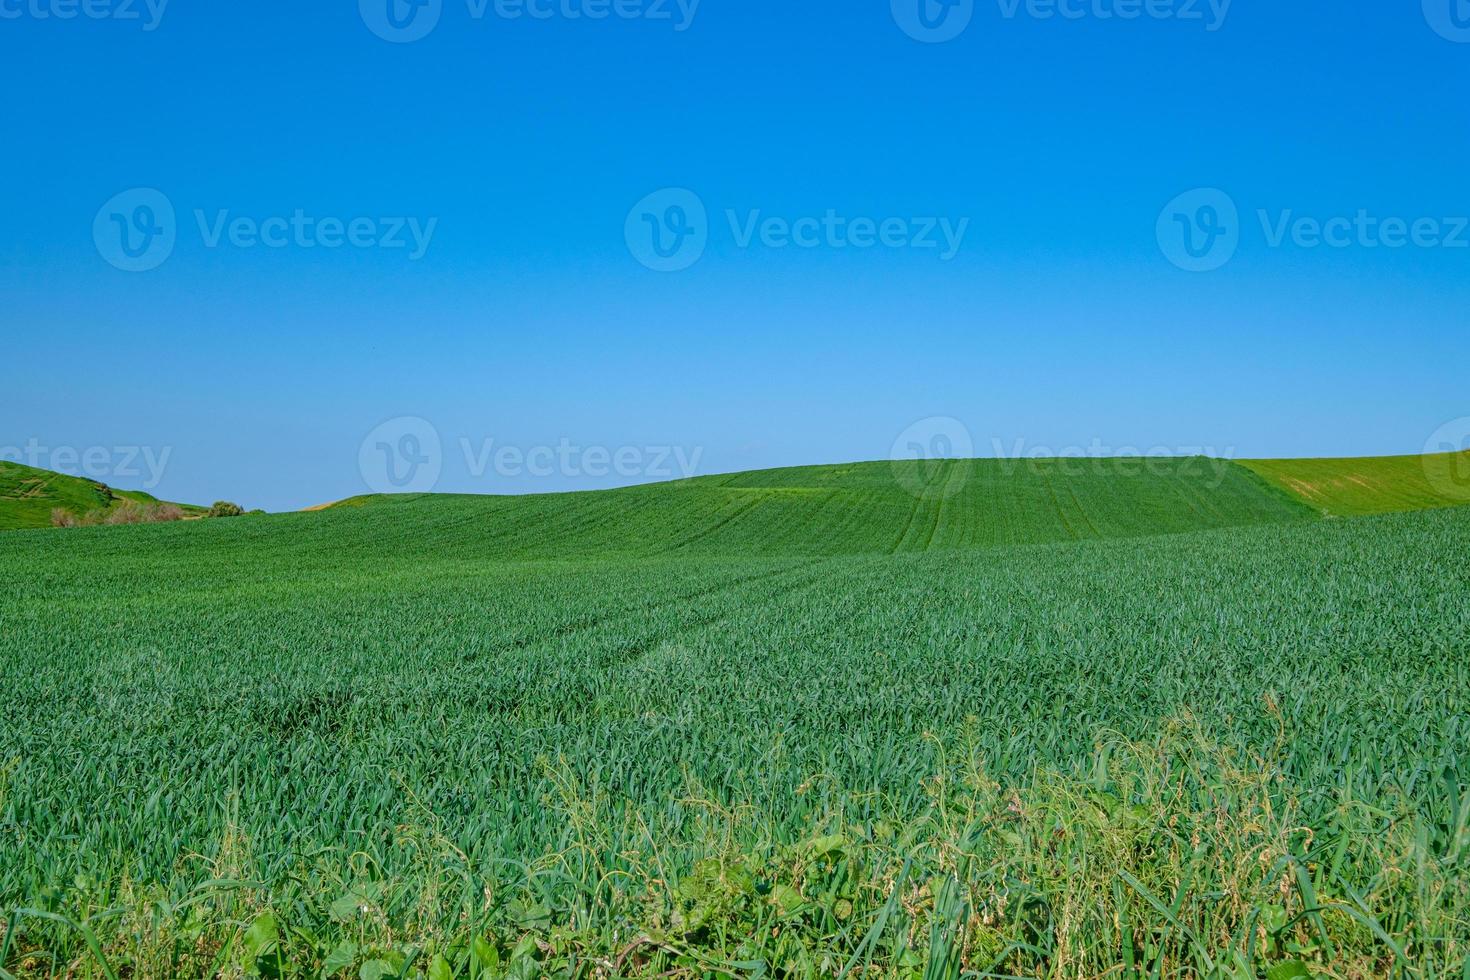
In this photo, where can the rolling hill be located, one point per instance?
(858, 508)
(876, 507)
(28, 495)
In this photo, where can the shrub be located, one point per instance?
(129, 512)
(223, 508)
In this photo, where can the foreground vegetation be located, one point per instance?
(732, 733)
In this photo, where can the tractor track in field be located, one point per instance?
(628, 654)
(634, 652)
(700, 535)
(1082, 512)
(1056, 503)
(904, 534)
(593, 622)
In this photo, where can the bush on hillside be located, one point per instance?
(223, 508)
(130, 512)
(134, 513)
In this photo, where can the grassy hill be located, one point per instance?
(1372, 485)
(846, 509)
(28, 496)
(865, 507)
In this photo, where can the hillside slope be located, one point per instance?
(1372, 485)
(824, 510)
(28, 495)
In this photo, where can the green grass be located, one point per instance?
(1379, 485)
(28, 496)
(788, 724)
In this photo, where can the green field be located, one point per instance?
(1045, 719)
(1373, 485)
(856, 508)
(29, 495)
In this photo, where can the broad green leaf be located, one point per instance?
(377, 970)
(339, 959)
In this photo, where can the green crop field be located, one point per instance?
(1063, 718)
(861, 507)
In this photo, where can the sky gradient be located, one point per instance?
(266, 359)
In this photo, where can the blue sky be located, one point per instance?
(1058, 138)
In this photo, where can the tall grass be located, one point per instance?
(1175, 857)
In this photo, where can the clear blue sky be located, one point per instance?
(1060, 321)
